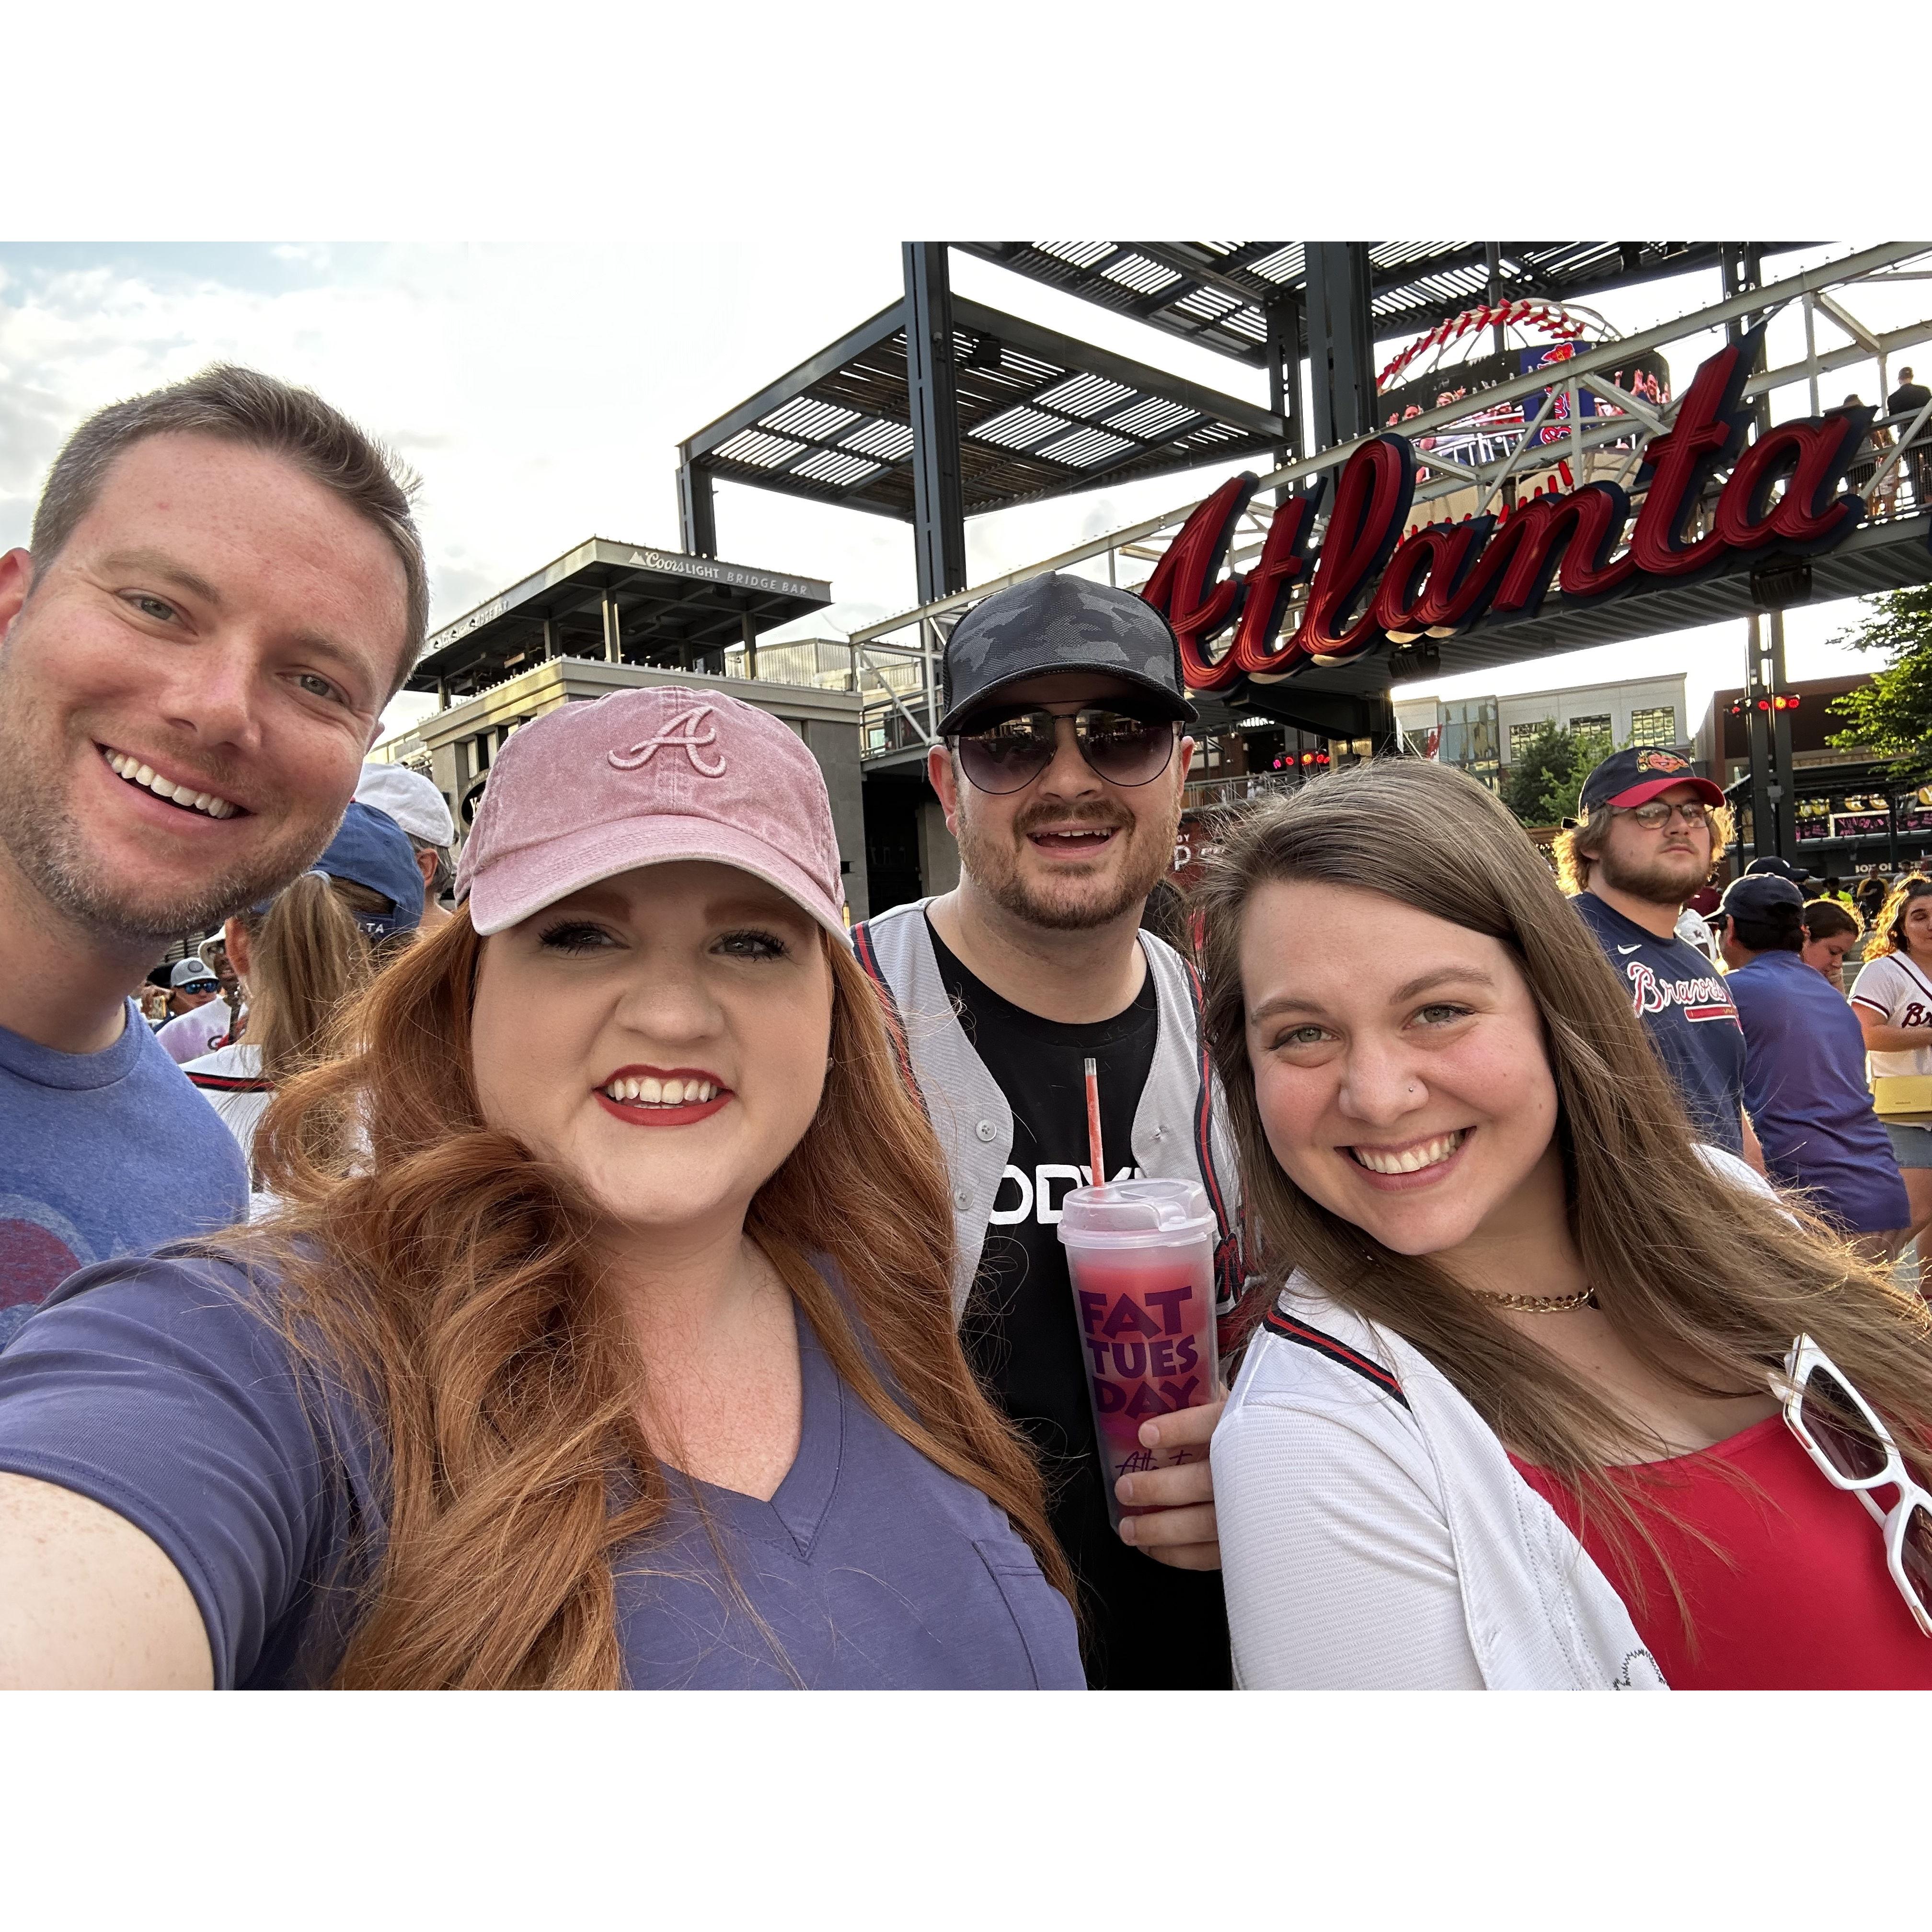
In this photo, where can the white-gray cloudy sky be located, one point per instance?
(540, 389)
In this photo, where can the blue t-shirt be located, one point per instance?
(1804, 1086)
(164, 1389)
(103, 1154)
(1680, 997)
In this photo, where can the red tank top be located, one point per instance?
(1805, 1601)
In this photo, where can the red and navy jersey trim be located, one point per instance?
(231, 1083)
(1290, 1330)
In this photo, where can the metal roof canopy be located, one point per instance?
(1040, 416)
(624, 603)
(1217, 293)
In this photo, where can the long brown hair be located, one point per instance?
(1707, 1282)
(448, 1275)
(307, 957)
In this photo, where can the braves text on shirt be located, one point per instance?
(1703, 999)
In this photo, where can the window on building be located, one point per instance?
(1655, 724)
(1522, 737)
(1598, 721)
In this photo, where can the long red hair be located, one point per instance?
(430, 1262)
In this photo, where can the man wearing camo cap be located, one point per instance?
(1060, 773)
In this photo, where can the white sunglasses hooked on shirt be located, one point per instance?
(1813, 1388)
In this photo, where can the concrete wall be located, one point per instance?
(836, 746)
(1615, 701)
(938, 852)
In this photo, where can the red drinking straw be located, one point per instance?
(1099, 1168)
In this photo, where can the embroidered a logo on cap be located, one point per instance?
(1661, 761)
(688, 732)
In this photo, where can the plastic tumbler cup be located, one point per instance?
(1141, 1257)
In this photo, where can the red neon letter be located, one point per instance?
(1179, 588)
(1709, 431)
(1371, 505)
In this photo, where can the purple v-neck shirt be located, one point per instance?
(158, 1388)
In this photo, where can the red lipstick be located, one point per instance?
(641, 1113)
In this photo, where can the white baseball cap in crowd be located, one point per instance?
(411, 799)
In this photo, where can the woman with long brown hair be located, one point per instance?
(301, 956)
(1551, 1396)
(605, 1336)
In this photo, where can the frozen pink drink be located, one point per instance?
(1141, 1257)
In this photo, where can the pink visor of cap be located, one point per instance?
(643, 778)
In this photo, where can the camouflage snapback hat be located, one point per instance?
(1059, 623)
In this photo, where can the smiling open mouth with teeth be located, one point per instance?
(185, 797)
(1408, 1160)
(1074, 838)
(645, 1092)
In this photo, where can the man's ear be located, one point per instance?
(16, 580)
(945, 781)
(235, 937)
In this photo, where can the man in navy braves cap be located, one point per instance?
(1645, 843)
(1061, 775)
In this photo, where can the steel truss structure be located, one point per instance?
(982, 409)
(1350, 701)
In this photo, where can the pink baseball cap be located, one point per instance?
(641, 778)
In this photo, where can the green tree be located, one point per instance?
(1546, 776)
(1892, 715)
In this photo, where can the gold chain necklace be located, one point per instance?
(1543, 1304)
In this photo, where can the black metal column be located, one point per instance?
(1784, 789)
(697, 510)
(1283, 316)
(1758, 687)
(939, 514)
(1773, 796)
(1341, 342)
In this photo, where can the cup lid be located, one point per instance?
(1136, 1214)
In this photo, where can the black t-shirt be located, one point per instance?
(1682, 999)
(1148, 1627)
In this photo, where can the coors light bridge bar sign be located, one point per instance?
(1781, 495)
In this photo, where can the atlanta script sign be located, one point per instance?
(1365, 585)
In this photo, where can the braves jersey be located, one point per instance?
(1680, 998)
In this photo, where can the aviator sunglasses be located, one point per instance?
(1007, 754)
(1843, 1435)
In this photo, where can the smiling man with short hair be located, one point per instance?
(224, 587)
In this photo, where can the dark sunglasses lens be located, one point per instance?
(1916, 1552)
(1126, 750)
(1829, 1413)
(1007, 756)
